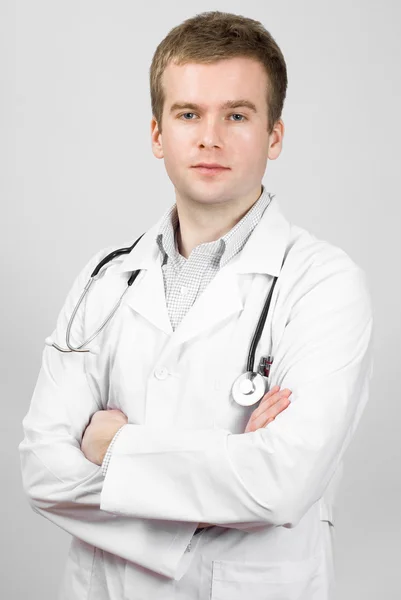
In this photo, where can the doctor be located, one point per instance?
(169, 488)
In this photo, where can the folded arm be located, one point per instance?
(275, 474)
(62, 484)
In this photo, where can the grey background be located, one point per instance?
(77, 174)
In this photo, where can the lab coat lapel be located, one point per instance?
(263, 253)
(146, 295)
(218, 301)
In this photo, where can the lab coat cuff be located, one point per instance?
(156, 473)
(107, 456)
(174, 559)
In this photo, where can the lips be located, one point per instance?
(210, 169)
(210, 165)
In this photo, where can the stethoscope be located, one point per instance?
(248, 388)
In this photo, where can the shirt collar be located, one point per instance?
(235, 239)
(222, 249)
(263, 252)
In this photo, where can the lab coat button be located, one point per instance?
(161, 373)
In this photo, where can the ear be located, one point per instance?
(156, 137)
(276, 140)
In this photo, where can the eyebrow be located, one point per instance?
(228, 104)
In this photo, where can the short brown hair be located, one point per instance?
(212, 36)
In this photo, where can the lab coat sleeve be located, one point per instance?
(275, 474)
(59, 481)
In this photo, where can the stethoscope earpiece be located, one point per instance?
(94, 349)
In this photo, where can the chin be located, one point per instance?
(209, 193)
(207, 198)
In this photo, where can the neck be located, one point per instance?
(201, 223)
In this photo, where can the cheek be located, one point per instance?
(176, 157)
(248, 147)
(175, 148)
(252, 139)
(172, 159)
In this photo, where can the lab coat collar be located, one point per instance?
(263, 252)
(146, 253)
(265, 249)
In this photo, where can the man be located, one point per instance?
(169, 487)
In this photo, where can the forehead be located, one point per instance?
(239, 77)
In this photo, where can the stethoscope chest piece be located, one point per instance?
(249, 388)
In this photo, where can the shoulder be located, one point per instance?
(113, 256)
(90, 264)
(321, 269)
(306, 249)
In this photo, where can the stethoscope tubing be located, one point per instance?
(250, 368)
(102, 263)
(259, 328)
(99, 329)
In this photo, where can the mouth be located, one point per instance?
(212, 169)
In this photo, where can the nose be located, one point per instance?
(210, 133)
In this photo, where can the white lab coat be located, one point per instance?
(183, 457)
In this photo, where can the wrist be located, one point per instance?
(108, 451)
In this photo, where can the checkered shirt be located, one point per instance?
(186, 278)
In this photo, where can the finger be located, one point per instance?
(271, 406)
(270, 401)
(271, 392)
(276, 390)
(270, 414)
(110, 413)
(266, 403)
(264, 412)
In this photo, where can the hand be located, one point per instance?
(103, 426)
(272, 403)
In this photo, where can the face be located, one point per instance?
(216, 114)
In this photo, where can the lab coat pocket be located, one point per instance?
(282, 580)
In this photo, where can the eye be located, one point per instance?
(185, 114)
(242, 117)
